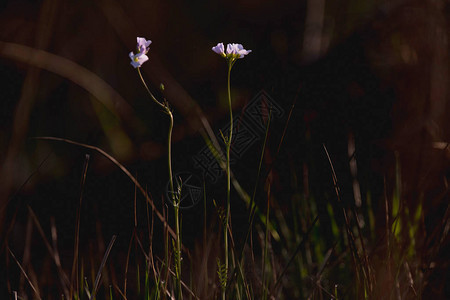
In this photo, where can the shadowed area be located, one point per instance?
(354, 174)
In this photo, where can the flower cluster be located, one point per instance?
(141, 56)
(234, 51)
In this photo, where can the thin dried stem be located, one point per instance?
(25, 274)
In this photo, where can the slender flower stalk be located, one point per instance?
(234, 52)
(166, 109)
(136, 61)
(176, 197)
(228, 148)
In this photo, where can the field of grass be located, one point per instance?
(282, 249)
(289, 197)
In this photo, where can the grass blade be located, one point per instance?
(74, 273)
(25, 274)
(102, 265)
(122, 168)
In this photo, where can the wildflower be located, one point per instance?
(138, 59)
(143, 44)
(234, 51)
(237, 50)
(219, 49)
(141, 56)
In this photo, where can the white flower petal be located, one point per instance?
(219, 49)
(142, 59)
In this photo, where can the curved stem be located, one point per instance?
(169, 151)
(149, 92)
(175, 197)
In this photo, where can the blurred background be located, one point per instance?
(367, 79)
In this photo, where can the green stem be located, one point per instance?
(176, 207)
(174, 195)
(228, 146)
(150, 93)
(169, 157)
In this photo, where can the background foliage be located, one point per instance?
(367, 80)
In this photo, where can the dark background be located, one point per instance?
(376, 71)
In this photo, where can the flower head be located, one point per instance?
(142, 44)
(140, 57)
(219, 49)
(234, 51)
(237, 50)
